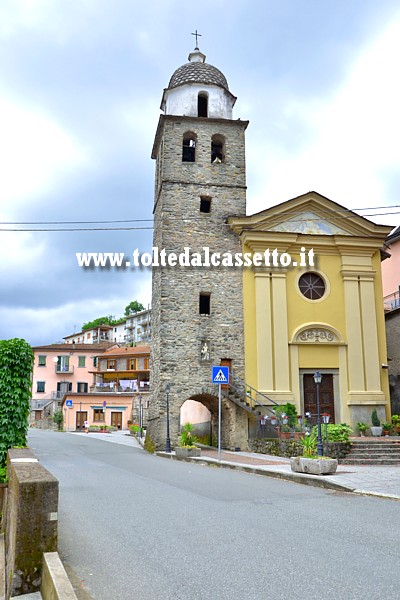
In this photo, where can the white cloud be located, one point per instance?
(55, 17)
(49, 325)
(354, 137)
(34, 153)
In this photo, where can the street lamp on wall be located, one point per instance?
(317, 380)
(167, 441)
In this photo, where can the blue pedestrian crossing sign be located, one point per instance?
(220, 375)
(68, 403)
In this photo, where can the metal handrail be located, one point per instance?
(247, 386)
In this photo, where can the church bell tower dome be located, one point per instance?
(198, 89)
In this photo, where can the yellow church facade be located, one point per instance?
(326, 316)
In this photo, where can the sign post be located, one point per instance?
(220, 376)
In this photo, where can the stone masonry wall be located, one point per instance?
(179, 331)
(392, 321)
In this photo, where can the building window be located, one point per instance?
(217, 149)
(204, 303)
(95, 361)
(98, 415)
(111, 364)
(132, 364)
(62, 365)
(40, 386)
(202, 105)
(82, 387)
(189, 147)
(81, 361)
(41, 361)
(205, 204)
(64, 386)
(312, 286)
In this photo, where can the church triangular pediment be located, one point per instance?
(309, 222)
(310, 214)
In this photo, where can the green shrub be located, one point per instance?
(58, 419)
(375, 419)
(187, 438)
(289, 410)
(149, 445)
(134, 428)
(362, 427)
(309, 443)
(16, 364)
(336, 433)
(205, 439)
(3, 475)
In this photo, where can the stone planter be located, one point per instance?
(376, 431)
(313, 466)
(182, 452)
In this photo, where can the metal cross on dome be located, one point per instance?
(197, 35)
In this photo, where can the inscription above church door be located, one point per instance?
(325, 393)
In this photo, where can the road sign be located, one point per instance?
(68, 403)
(220, 375)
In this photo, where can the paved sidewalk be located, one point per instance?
(383, 481)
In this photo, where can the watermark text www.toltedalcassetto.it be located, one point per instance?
(187, 258)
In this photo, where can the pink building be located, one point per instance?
(391, 271)
(101, 409)
(61, 368)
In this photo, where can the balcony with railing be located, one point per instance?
(108, 388)
(64, 369)
(391, 302)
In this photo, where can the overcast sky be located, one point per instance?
(80, 88)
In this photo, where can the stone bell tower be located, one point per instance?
(200, 181)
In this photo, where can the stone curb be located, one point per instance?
(312, 480)
(377, 494)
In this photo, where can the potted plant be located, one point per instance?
(285, 432)
(396, 423)
(387, 428)
(376, 429)
(187, 442)
(310, 462)
(362, 428)
(298, 433)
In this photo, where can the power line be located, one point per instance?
(347, 214)
(346, 211)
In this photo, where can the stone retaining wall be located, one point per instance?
(289, 448)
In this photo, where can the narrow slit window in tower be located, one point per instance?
(189, 148)
(217, 149)
(204, 303)
(205, 204)
(202, 105)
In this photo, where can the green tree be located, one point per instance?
(133, 307)
(109, 320)
(58, 419)
(16, 365)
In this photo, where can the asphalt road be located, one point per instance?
(135, 526)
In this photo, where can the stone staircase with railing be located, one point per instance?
(251, 400)
(373, 451)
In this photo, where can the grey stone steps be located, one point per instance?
(376, 457)
(373, 450)
(369, 461)
(243, 404)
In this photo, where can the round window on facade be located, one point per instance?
(312, 286)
